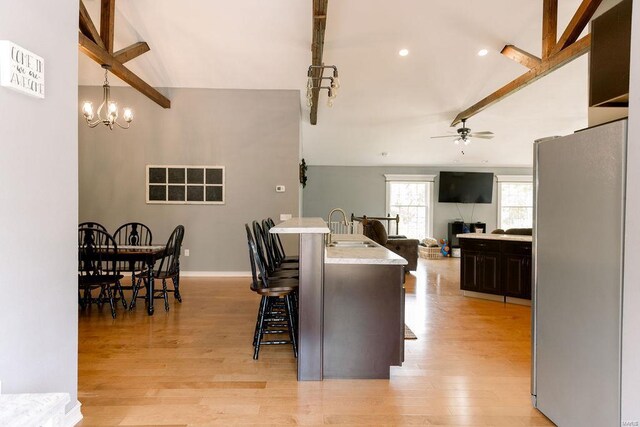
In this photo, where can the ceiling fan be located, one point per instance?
(465, 135)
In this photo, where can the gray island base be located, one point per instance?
(351, 304)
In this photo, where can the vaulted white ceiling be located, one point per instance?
(387, 103)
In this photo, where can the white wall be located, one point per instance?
(631, 295)
(39, 205)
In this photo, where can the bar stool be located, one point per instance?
(277, 313)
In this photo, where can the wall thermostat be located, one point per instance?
(279, 188)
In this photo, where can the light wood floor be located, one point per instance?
(193, 366)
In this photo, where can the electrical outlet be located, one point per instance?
(280, 189)
(186, 252)
(284, 217)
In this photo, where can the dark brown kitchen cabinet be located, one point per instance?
(517, 276)
(496, 267)
(480, 272)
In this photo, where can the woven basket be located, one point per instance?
(432, 252)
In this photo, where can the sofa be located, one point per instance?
(406, 248)
(514, 231)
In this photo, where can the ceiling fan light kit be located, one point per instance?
(465, 135)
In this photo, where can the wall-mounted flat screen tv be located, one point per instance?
(465, 187)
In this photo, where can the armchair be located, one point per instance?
(406, 248)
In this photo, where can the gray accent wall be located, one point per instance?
(39, 198)
(254, 134)
(362, 190)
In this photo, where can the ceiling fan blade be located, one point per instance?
(480, 136)
(445, 136)
(484, 132)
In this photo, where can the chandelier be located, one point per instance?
(111, 114)
(317, 82)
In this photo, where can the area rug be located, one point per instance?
(408, 334)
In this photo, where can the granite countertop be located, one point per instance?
(508, 237)
(360, 255)
(301, 226)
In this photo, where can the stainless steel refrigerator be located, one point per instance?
(578, 275)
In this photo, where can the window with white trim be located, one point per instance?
(411, 197)
(515, 201)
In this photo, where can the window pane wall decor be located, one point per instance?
(185, 184)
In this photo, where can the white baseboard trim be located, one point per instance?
(74, 416)
(215, 273)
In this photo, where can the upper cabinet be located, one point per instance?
(610, 57)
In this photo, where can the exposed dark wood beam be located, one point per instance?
(521, 56)
(317, 47)
(87, 26)
(552, 63)
(577, 24)
(102, 57)
(549, 26)
(133, 51)
(107, 21)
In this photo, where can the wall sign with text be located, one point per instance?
(203, 185)
(21, 70)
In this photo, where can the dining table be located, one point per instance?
(146, 254)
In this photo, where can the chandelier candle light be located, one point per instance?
(316, 83)
(111, 107)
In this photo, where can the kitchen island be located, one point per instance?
(363, 308)
(351, 304)
(496, 266)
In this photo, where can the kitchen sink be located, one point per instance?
(351, 244)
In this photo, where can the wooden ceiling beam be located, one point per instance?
(87, 26)
(103, 57)
(131, 52)
(317, 48)
(577, 24)
(549, 26)
(107, 23)
(523, 57)
(547, 66)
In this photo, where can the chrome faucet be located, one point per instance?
(344, 219)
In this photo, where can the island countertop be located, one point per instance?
(507, 237)
(301, 226)
(364, 255)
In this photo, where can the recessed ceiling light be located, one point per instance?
(403, 52)
(483, 52)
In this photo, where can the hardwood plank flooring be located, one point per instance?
(193, 366)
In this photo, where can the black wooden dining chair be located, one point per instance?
(277, 313)
(132, 234)
(97, 268)
(169, 268)
(94, 225)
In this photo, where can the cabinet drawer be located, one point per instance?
(480, 245)
(518, 248)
